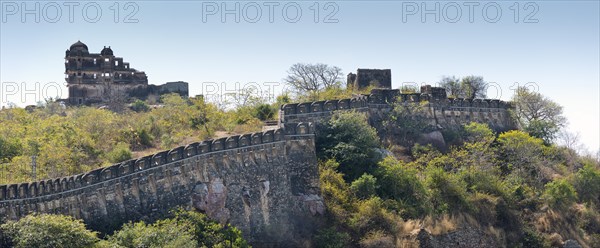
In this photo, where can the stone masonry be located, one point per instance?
(266, 184)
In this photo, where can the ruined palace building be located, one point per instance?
(95, 78)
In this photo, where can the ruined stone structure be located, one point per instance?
(266, 184)
(441, 111)
(101, 77)
(370, 77)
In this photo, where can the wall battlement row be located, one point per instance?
(386, 97)
(441, 111)
(324, 106)
(54, 186)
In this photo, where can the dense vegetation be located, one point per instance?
(71, 140)
(184, 229)
(517, 186)
(520, 190)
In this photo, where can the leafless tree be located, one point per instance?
(570, 140)
(467, 87)
(304, 78)
(452, 86)
(473, 87)
(115, 98)
(250, 96)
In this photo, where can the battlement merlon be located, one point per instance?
(31, 190)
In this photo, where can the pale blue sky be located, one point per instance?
(171, 42)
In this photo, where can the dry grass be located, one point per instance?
(563, 223)
(442, 225)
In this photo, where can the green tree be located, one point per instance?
(139, 106)
(119, 153)
(520, 154)
(479, 133)
(349, 139)
(587, 184)
(163, 233)
(52, 231)
(331, 238)
(9, 149)
(364, 187)
(448, 191)
(401, 183)
(537, 115)
(560, 194)
(405, 123)
(264, 112)
(209, 233)
(336, 193)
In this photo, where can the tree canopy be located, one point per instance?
(537, 114)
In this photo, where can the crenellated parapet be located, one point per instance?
(255, 181)
(32, 190)
(316, 111)
(265, 183)
(442, 111)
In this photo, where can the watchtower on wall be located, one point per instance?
(379, 78)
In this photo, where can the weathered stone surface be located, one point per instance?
(435, 138)
(266, 184)
(268, 189)
(370, 77)
(95, 78)
(440, 112)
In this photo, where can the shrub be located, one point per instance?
(209, 233)
(364, 187)
(331, 238)
(560, 194)
(50, 231)
(595, 240)
(405, 123)
(478, 132)
(589, 220)
(377, 239)
(119, 153)
(520, 154)
(485, 181)
(349, 139)
(587, 184)
(164, 233)
(448, 191)
(264, 112)
(531, 238)
(400, 182)
(334, 190)
(139, 106)
(9, 149)
(372, 215)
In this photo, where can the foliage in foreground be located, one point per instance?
(45, 230)
(185, 229)
(72, 140)
(495, 179)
